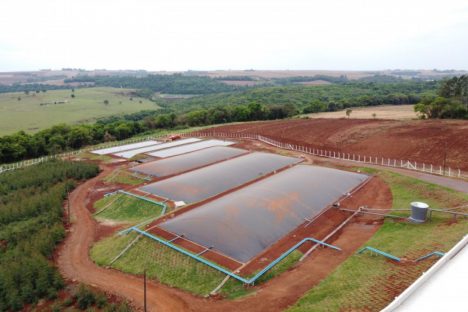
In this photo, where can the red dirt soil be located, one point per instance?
(275, 295)
(415, 140)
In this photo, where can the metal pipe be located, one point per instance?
(227, 272)
(161, 204)
(374, 213)
(434, 253)
(308, 252)
(380, 252)
(428, 274)
(451, 212)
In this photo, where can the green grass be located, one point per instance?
(281, 267)
(123, 208)
(91, 156)
(175, 269)
(368, 283)
(123, 177)
(88, 105)
(162, 263)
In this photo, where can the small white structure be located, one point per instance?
(444, 287)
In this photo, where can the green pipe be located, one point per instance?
(225, 271)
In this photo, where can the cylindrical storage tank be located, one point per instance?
(419, 212)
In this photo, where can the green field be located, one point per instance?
(368, 283)
(123, 208)
(88, 105)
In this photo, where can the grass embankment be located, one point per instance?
(123, 177)
(368, 283)
(173, 268)
(125, 209)
(36, 111)
(94, 157)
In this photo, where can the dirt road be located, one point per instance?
(275, 295)
(74, 262)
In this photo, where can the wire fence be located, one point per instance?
(362, 159)
(35, 161)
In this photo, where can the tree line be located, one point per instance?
(33, 87)
(451, 100)
(170, 84)
(309, 99)
(299, 79)
(64, 137)
(30, 227)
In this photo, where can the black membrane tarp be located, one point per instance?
(186, 162)
(209, 181)
(243, 223)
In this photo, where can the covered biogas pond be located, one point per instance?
(245, 222)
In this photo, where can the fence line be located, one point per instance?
(364, 159)
(35, 161)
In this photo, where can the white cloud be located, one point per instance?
(220, 34)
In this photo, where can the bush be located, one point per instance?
(31, 226)
(84, 297)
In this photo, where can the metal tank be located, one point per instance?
(419, 212)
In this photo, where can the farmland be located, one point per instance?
(397, 112)
(35, 111)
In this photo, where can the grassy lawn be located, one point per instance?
(123, 208)
(173, 268)
(88, 105)
(368, 283)
(123, 177)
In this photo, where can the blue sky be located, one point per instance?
(225, 34)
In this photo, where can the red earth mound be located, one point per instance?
(424, 141)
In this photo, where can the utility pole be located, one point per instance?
(144, 290)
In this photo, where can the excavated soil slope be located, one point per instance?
(415, 140)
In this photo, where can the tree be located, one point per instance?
(257, 111)
(72, 95)
(314, 107)
(348, 112)
(374, 115)
(79, 136)
(240, 113)
(106, 102)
